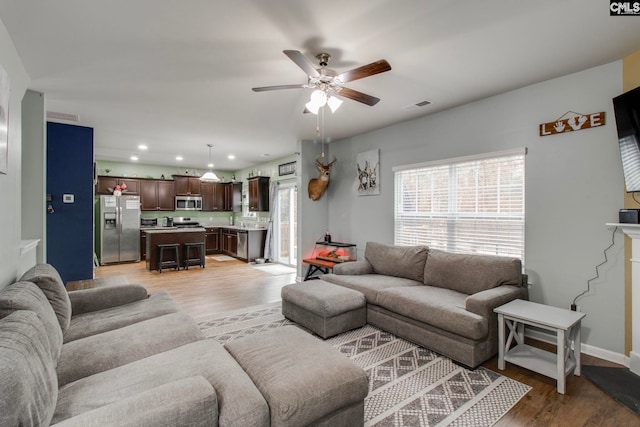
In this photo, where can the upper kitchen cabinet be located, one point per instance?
(233, 196)
(106, 184)
(221, 196)
(187, 185)
(157, 195)
(213, 196)
(259, 193)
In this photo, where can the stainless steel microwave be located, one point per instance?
(188, 203)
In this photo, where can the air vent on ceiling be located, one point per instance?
(416, 105)
(62, 116)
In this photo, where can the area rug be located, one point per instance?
(275, 269)
(221, 258)
(408, 385)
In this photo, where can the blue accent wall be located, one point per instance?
(70, 226)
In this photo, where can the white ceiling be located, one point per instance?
(177, 75)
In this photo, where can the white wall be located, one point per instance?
(10, 206)
(574, 186)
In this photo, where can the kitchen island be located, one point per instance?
(160, 236)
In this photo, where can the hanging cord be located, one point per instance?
(613, 241)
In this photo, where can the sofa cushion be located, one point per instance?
(441, 308)
(397, 261)
(28, 385)
(240, 403)
(369, 284)
(48, 279)
(470, 273)
(27, 296)
(95, 322)
(108, 350)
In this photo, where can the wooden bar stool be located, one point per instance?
(172, 248)
(199, 260)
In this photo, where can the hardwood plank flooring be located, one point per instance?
(230, 285)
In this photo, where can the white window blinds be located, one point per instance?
(467, 205)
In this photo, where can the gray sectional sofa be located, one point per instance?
(115, 356)
(439, 300)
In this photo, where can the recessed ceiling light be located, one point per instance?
(178, 158)
(142, 147)
(210, 165)
(134, 158)
(231, 157)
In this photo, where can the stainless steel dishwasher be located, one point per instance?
(243, 244)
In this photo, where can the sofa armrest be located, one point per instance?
(483, 303)
(191, 401)
(353, 268)
(87, 300)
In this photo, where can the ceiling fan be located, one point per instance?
(330, 82)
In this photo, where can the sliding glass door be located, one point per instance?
(286, 238)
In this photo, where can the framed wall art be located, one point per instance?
(368, 173)
(287, 169)
(4, 120)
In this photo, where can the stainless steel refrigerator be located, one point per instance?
(119, 229)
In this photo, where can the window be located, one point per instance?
(466, 205)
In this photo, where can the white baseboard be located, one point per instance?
(591, 350)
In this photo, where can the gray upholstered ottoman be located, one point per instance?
(325, 308)
(304, 380)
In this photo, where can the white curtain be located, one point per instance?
(269, 245)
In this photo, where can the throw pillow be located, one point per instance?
(48, 279)
(27, 296)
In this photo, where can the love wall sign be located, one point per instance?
(577, 121)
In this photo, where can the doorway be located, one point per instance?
(286, 226)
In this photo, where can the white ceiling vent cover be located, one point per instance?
(62, 116)
(416, 105)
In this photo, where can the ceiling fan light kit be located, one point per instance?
(327, 83)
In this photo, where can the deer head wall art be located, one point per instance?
(319, 184)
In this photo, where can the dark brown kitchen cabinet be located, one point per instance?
(213, 196)
(212, 240)
(157, 195)
(229, 242)
(143, 245)
(105, 184)
(187, 185)
(259, 193)
(233, 197)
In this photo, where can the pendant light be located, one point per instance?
(210, 176)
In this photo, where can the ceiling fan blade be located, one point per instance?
(301, 61)
(365, 71)
(358, 96)
(266, 88)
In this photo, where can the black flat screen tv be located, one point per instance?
(627, 110)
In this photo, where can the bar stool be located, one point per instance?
(187, 254)
(174, 262)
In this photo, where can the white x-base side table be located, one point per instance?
(565, 323)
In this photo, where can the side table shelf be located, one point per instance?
(326, 255)
(565, 323)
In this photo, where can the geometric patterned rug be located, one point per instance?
(408, 385)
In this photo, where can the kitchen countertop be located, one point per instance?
(174, 230)
(234, 227)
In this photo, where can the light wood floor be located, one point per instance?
(224, 286)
